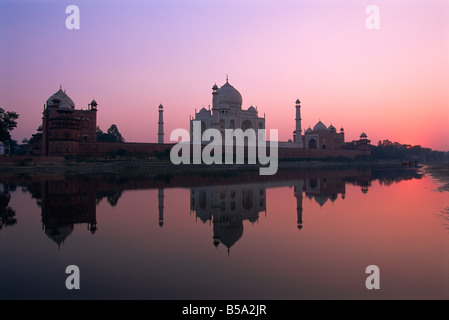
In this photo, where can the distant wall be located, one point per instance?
(104, 148)
(320, 153)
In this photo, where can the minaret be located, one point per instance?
(297, 133)
(215, 113)
(160, 201)
(298, 194)
(160, 132)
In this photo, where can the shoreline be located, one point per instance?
(54, 165)
(439, 172)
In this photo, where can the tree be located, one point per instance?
(7, 124)
(113, 131)
(112, 135)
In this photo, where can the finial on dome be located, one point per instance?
(226, 77)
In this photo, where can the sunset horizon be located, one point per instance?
(388, 82)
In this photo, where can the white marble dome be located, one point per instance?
(230, 96)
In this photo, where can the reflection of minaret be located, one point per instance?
(160, 132)
(160, 201)
(298, 194)
(217, 218)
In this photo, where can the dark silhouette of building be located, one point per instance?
(64, 204)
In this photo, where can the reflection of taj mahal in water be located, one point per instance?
(224, 203)
(66, 203)
(227, 207)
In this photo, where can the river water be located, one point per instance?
(303, 234)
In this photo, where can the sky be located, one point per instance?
(390, 82)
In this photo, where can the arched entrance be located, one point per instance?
(246, 125)
(312, 143)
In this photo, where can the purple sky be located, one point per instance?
(130, 56)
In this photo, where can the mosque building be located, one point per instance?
(322, 137)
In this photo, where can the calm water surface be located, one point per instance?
(297, 235)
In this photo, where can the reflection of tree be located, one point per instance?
(385, 176)
(111, 196)
(444, 216)
(7, 214)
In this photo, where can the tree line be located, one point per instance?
(387, 150)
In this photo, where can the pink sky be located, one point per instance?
(133, 55)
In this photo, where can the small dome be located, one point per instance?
(161, 106)
(297, 101)
(363, 135)
(61, 99)
(309, 130)
(332, 128)
(203, 110)
(59, 233)
(321, 200)
(230, 234)
(319, 126)
(229, 95)
(252, 109)
(215, 87)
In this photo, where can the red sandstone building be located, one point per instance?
(64, 128)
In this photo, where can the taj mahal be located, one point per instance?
(227, 113)
(67, 130)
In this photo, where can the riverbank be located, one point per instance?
(52, 165)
